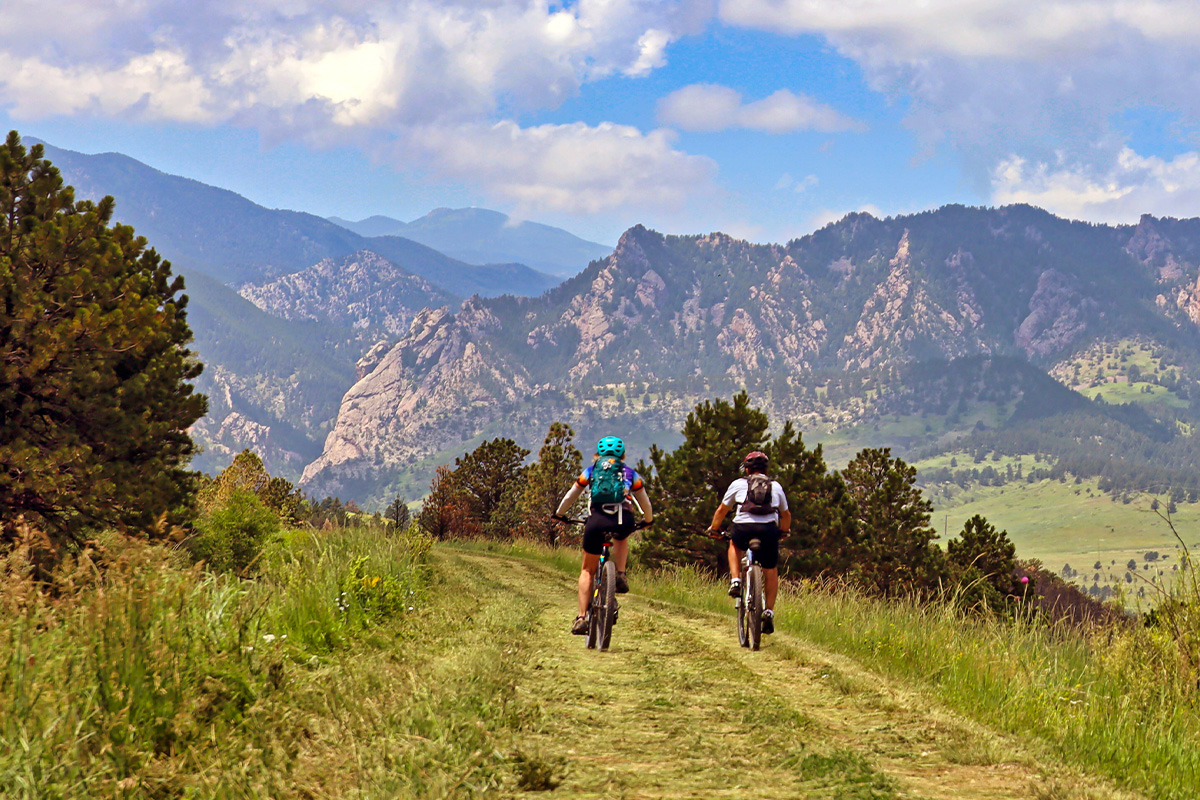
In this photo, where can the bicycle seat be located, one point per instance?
(755, 544)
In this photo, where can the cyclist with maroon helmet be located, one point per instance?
(612, 486)
(761, 513)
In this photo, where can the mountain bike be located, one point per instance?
(603, 610)
(750, 603)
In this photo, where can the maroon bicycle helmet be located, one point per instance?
(755, 462)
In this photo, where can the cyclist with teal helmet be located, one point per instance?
(610, 511)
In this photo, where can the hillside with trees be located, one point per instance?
(911, 332)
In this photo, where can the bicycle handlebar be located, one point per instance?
(639, 525)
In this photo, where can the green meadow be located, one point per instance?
(1069, 523)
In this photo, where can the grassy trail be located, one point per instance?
(676, 709)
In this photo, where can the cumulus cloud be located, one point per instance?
(575, 168)
(366, 71)
(711, 107)
(983, 28)
(158, 85)
(1118, 192)
(366, 60)
(993, 77)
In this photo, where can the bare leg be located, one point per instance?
(735, 560)
(772, 581)
(586, 576)
(620, 552)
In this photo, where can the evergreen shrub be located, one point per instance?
(230, 537)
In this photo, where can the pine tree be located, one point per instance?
(546, 481)
(897, 553)
(398, 514)
(982, 560)
(446, 513)
(248, 474)
(490, 478)
(95, 399)
(824, 534)
(686, 485)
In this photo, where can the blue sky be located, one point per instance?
(761, 118)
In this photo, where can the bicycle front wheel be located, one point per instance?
(743, 630)
(607, 603)
(754, 605)
(593, 617)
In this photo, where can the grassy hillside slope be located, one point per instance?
(364, 666)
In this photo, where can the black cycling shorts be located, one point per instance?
(740, 533)
(599, 525)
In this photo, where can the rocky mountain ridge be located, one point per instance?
(671, 319)
(363, 291)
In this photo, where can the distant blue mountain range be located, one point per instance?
(480, 236)
(237, 241)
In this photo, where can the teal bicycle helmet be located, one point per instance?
(611, 446)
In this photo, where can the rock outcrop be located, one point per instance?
(433, 385)
(363, 291)
(681, 317)
(1058, 317)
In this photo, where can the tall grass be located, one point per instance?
(1119, 701)
(157, 679)
(327, 586)
(1109, 699)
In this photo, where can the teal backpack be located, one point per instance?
(608, 481)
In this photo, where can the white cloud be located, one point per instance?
(786, 181)
(982, 28)
(1119, 192)
(652, 53)
(711, 107)
(371, 72)
(370, 62)
(575, 168)
(158, 85)
(993, 77)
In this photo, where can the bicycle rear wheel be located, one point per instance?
(607, 598)
(754, 605)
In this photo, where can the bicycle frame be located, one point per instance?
(749, 604)
(603, 608)
(752, 594)
(602, 611)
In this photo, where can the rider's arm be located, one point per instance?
(643, 501)
(569, 499)
(719, 517)
(785, 513)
